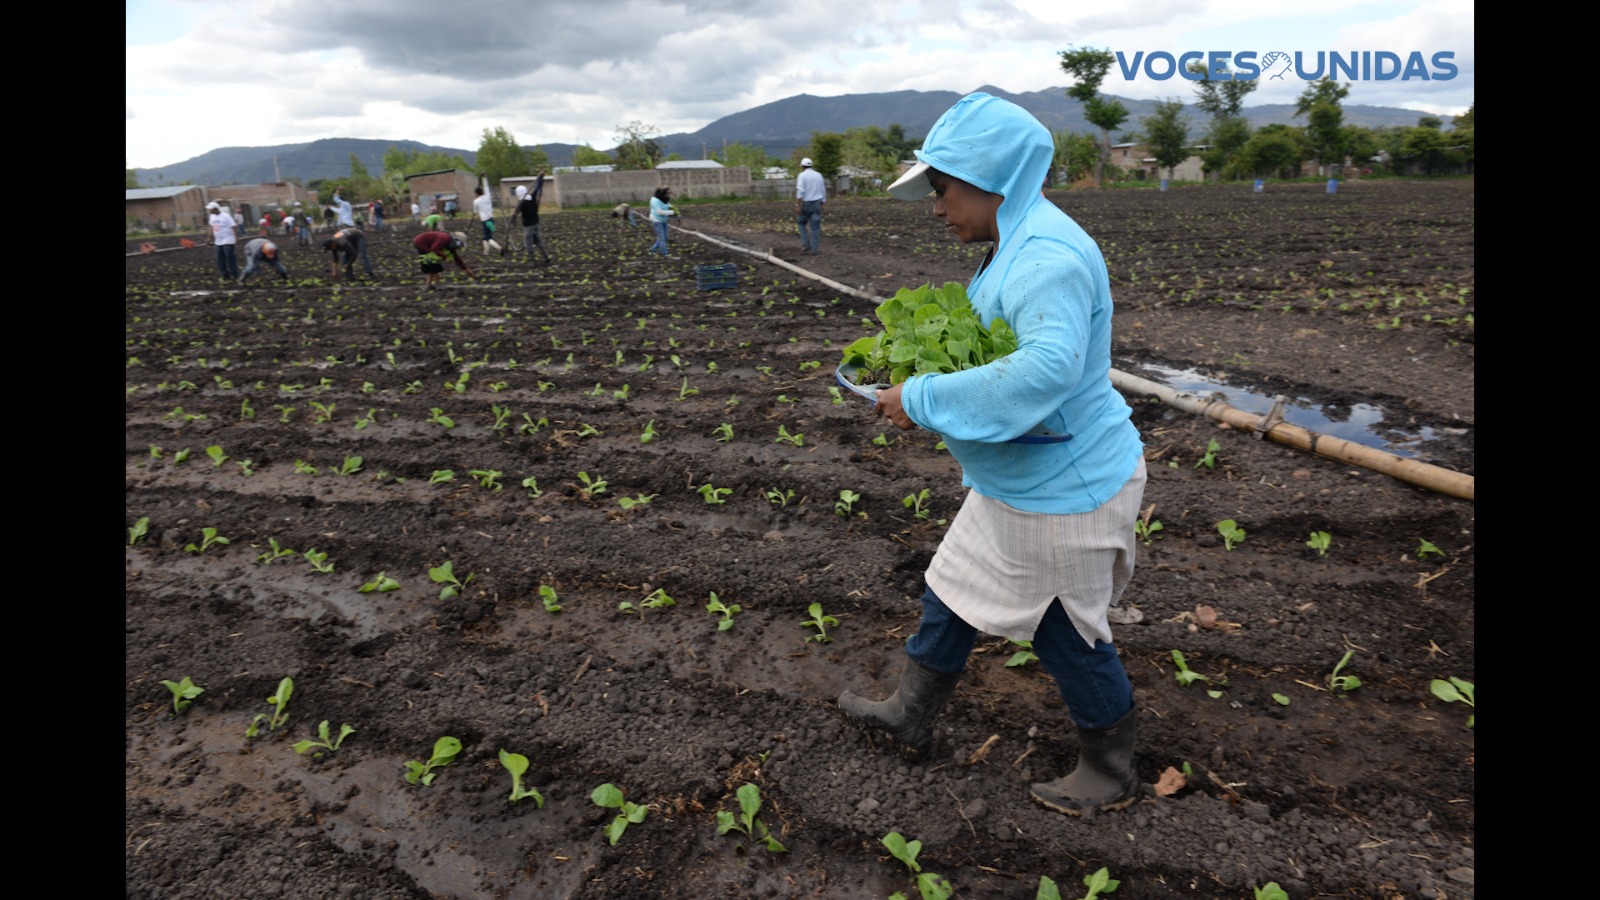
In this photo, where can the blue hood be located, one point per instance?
(996, 145)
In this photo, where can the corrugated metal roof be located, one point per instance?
(689, 164)
(159, 193)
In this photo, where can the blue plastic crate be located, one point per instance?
(716, 277)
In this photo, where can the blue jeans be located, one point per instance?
(250, 268)
(1092, 681)
(809, 221)
(227, 261)
(660, 246)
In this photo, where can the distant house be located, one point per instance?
(432, 189)
(166, 207)
(260, 197)
(506, 191)
(775, 172)
(1135, 159)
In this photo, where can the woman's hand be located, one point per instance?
(888, 406)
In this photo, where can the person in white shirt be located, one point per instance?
(346, 217)
(484, 207)
(809, 194)
(225, 235)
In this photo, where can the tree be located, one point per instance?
(827, 153)
(637, 147)
(1166, 134)
(1273, 148)
(1089, 66)
(749, 155)
(585, 155)
(1466, 135)
(131, 179)
(358, 169)
(399, 162)
(1319, 103)
(499, 156)
(1223, 101)
(1074, 156)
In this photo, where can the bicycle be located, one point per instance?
(508, 228)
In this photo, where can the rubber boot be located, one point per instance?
(485, 248)
(906, 717)
(1104, 779)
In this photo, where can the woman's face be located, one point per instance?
(969, 212)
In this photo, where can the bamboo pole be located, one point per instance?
(1434, 478)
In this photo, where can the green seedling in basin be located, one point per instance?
(846, 503)
(1426, 549)
(183, 693)
(445, 750)
(1185, 676)
(319, 561)
(517, 765)
(1209, 460)
(1231, 533)
(1453, 691)
(218, 457)
(325, 740)
(280, 710)
(717, 607)
(274, 552)
(1346, 683)
(714, 495)
(453, 586)
(820, 622)
(610, 796)
(208, 539)
(547, 595)
(1023, 656)
(1320, 541)
(1270, 892)
(746, 822)
(139, 531)
(383, 584)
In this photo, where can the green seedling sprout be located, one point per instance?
(1270, 892)
(1453, 691)
(182, 456)
(609, 796)
(820, 622)
(716, 607)
(1320, 541)
(488, 479)
(1209, 460)
(1346, 683)
(779, 498)
(1145, 527)
(217, 456)
(531, 427)
(1099, 883)
(649, 433)
(532, 484)
(1231, 533)
(1185, 676)
(502, 417)
(183, 693)
(847, 501)
(139, 531)
(319, 561)
(930, 886)
(1426, 549)
(517, 765)
(547, 595)
(301, 467)
(724, 433)
(383, 584)
(784, 437)
(1280, 699)
(713, 495)
(326, 742)
(453, 586)
(440, 476)
(592, 487)
(444, 753)
(350, 466)
(274, 552)
(684, 391)
(437, 416)
(280, 710)
(208, 539)
(746, 822)
(587, 430)
(917, 503)
(1023, 656)
(639, 500)
(880, 440)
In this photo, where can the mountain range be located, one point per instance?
(781, 127)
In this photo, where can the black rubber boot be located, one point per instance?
(906, 718)
(1104, 779)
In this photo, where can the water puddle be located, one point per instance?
(1359, 423)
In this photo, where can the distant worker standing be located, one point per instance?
(660, 211)
(809, 194)
(261, 252)
(528, 211)
(224, 234)
(484, 207)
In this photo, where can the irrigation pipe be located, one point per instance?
(1270, 425)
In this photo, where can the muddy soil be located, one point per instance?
(596, 447)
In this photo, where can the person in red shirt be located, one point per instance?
(431, 245)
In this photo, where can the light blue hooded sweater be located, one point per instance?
(1049, 282)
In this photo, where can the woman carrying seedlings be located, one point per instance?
(660, 211)
(1043, 544)
(430, 247)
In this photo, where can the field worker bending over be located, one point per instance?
(431, 244)
(345, 247)
(1043, 544)
(261, 252)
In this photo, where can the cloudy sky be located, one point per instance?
(203, 74)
